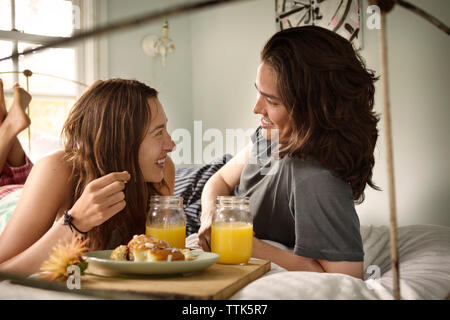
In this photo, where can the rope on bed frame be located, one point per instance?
(389, 157)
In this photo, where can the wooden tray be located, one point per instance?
(217, 282)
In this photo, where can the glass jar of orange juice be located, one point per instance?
(166, 220)
(232, 230)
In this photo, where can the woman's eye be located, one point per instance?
(272, 103)
(159, 133)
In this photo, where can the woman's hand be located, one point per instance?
(222, 183)
(204, 234)
(101, 199)
(258, 248)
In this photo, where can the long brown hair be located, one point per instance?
(329, 95)
(102, 134)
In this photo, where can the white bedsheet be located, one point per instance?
(424, 252)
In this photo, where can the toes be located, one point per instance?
(16, 90)
(21, 96)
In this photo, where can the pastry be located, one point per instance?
(120, 253)
(143, 248)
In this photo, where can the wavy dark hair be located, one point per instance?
(102, 134)
(329, 95)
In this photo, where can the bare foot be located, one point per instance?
(2, 103)
(16, 117)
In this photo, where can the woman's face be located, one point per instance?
(274, 115)
(156, 144)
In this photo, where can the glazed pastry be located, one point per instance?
(120, 253)
(143, 248)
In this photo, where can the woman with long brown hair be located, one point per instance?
(315, 98)
(115, 157)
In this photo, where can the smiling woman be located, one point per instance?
(110, 165)
(315, 98)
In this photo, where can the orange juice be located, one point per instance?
(232, 241)
(175, 235)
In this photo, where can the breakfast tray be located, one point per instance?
(217, 282)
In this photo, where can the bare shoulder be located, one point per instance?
(55, 162)
(52, 170)
(45, 192)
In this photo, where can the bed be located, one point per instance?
(424, 252)
(424, 272)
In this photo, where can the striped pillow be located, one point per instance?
(189, 183)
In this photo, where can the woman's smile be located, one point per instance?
(161, 162)
(266, 124)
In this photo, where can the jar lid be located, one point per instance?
(166, 201)
(232, 200)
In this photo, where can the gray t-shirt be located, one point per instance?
(300, 204)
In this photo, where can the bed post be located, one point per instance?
(389, 157)
(386, 6)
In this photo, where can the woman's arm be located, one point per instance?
(43, 194)
(31, 233)
(222, 183)
(30, 260)
(285, 259)
(293, 262)
(351, 268)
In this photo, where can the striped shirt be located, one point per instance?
(189, 183)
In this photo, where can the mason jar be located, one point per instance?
(166, 220)
(232, 230)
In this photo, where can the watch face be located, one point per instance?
(340, 16)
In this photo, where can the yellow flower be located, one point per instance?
(63, 256)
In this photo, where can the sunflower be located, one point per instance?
(63, 256)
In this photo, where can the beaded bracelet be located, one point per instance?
(68, 222)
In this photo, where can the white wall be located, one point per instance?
(126, 58)
(419, 72)
(226, 43)
(211, 76)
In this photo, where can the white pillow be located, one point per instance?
(42, 144)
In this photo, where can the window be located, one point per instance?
(30, 23)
